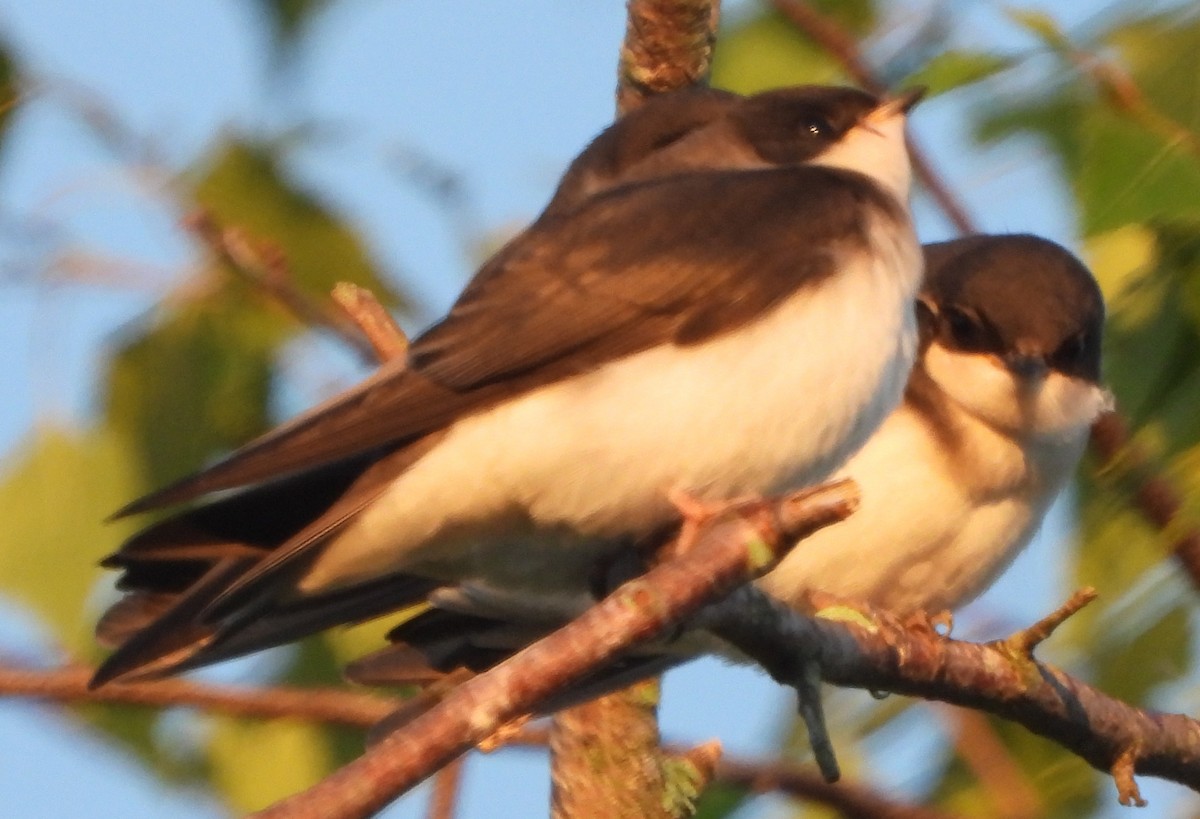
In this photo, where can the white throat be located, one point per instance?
(984, 387)
(875, 148)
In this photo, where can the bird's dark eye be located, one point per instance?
(817, 127)
(1069, 354)
(966, 332)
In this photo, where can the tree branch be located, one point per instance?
(70, 685)
(871, 649)
(731, 551)
(850, 801)
(605, 759)
(332, 706)
(668, 45)
(447, 782)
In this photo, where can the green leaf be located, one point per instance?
(1119, 550)
(256, 763)
(719, 801)
(1125, 164)
(857, 17)
(1148, 272)
(1159, 51)
(205, 363)
(10, 91)
(196, 384)
(288, 18)
(1122, 171)
(954, 69)
(1066, 787)
(767, 52)
(1040, 24)
(1131, 173)
(1051, 118)
(1131, 668)
(54, 499)
(1150, 275)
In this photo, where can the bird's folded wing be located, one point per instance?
(671, 261)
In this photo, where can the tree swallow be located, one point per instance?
(954, 483)
(993, 423)
(718, 300)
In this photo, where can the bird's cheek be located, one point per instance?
(980, 384)
(1067, 405)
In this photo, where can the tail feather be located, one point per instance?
(178, 572)
(438, 645)
(129, 615)
(175, 635)
(156, 634)
(288, 620)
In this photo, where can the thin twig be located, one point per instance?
(850, 801)
(1027, 639)
(267, 269)
(443, 802)
(1122, 772)
(331, 706)
(372, 319)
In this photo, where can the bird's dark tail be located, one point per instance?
(437, 648)
(177, 575)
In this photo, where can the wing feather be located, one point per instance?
(629, 269)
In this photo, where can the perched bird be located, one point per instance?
(954, 483)
(993, 423)
(718, 300)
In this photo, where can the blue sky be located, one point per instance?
(503, 94)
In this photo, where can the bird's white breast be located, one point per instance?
(948, 500)
(778, 403)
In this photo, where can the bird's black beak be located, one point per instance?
(1026, 367)
(890, 107)
(909, 99)
(902, 103)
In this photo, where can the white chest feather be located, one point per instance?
(776, 404)
(948, 501)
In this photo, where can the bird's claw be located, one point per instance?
(940, 623)
(698, 513)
